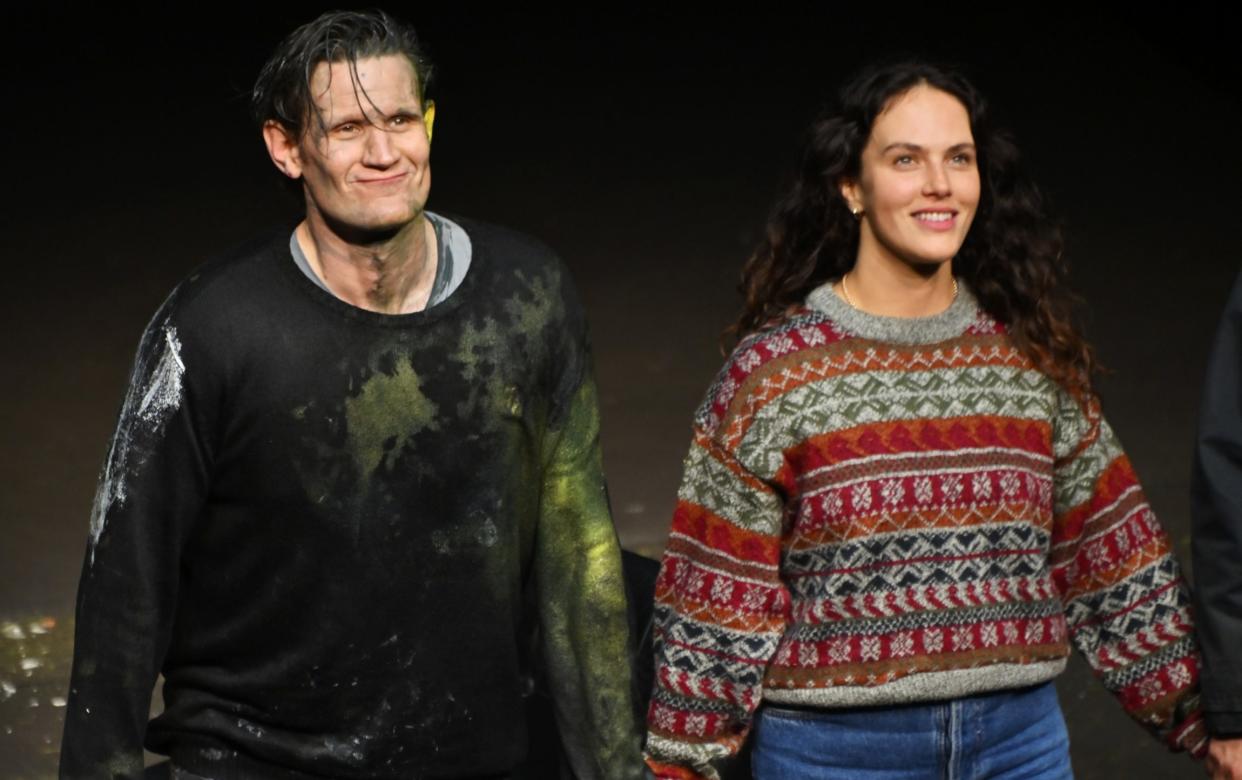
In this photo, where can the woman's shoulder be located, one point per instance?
(760, 359)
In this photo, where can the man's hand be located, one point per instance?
(1224, 759)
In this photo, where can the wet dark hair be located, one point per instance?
(282, 91)
(1012, 257)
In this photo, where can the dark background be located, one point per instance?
(645, 145)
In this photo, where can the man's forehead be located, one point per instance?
(386, 78)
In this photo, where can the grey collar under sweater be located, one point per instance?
(948, 324)
(453, 252)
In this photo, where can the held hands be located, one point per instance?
(1224, 759)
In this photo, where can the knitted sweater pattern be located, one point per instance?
(880, 511)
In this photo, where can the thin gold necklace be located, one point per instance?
(845, 292)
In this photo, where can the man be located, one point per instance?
(1216, 533)
(354, 504)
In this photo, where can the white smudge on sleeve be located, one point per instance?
(163, 392)
(154, 395)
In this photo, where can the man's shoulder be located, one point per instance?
(512, 265)
(226, 279)
(225, 298)
(506, 245)
(524, 285)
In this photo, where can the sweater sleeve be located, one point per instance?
(1216, 538)
(1126, 604)
(720, 610)
(152, 487)
(581, 594)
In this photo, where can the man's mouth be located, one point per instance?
(383, 179)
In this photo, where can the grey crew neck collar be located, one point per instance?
(453, 254)
(950, 323)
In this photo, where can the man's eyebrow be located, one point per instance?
(348, 119)
(361, 116)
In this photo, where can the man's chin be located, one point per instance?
(373, 229)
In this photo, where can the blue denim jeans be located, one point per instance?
(996, 736)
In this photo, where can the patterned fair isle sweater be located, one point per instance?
(880, 511)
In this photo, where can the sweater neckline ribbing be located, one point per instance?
(950, 323)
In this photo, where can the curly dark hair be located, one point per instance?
(282, 91)
(1012, 258)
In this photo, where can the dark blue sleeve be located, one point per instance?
(1216, 496)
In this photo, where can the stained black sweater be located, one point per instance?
(339, 534)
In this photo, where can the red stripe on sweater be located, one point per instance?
(719, 534)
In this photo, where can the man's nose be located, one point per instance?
(378, 151)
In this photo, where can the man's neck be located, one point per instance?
(390, 275)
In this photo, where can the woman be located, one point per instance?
(901, 504)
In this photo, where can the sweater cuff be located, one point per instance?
(658, 770)
(1224, 725)
(1191, 736)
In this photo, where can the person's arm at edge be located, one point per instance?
(1216, 540)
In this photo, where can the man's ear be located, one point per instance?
(282, 147)
(429, 118)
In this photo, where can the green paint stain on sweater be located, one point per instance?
(532, 309)
(385, 416)
(486, 385)
(584, 639)
(474, 350)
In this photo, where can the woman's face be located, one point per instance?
(918, 188)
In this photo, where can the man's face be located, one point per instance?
(365, 165)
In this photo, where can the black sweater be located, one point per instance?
(340, 535)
